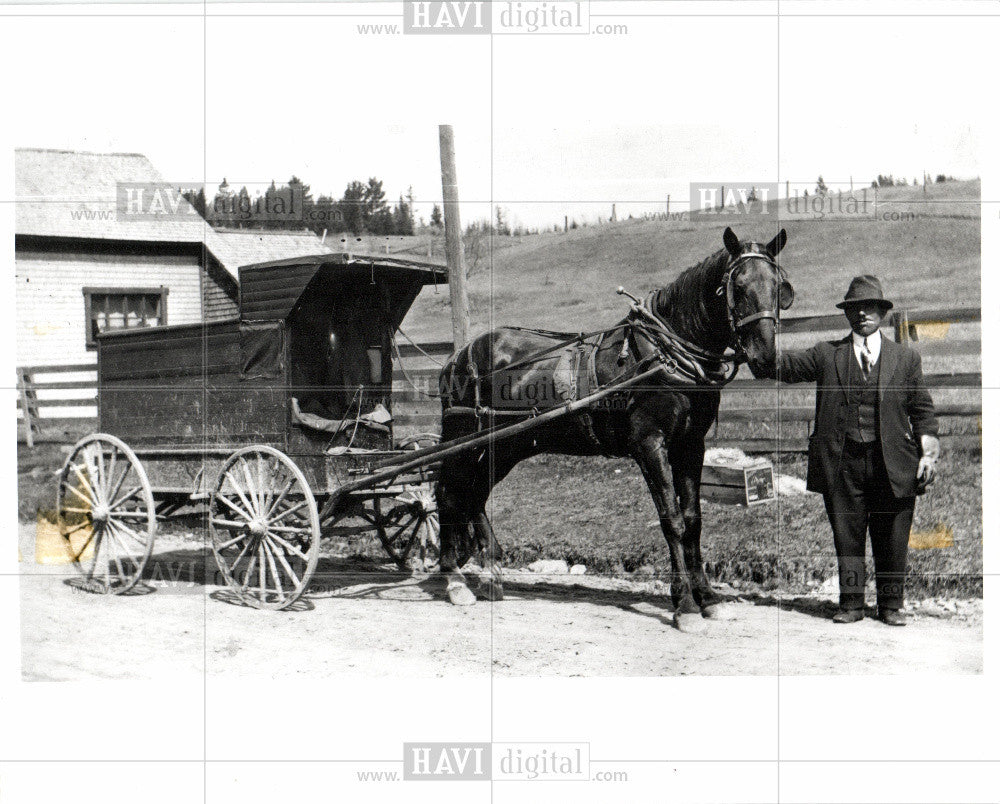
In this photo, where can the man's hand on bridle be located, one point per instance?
(930, 449)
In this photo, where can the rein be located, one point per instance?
(680, 355)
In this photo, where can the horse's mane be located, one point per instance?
(684, 303)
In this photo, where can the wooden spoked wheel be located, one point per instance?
(408, 525)
(409, 528)
(105, 514)
(264, 525)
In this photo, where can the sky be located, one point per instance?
(545, 127)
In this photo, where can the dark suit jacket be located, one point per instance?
(906, 411)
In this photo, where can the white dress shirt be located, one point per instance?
(874, 346)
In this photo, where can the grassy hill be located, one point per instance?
(567, 280)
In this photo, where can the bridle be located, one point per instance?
(736, 325)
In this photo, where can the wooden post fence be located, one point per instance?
(29, 410)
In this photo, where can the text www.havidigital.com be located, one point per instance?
(495, 762)
(436, 17)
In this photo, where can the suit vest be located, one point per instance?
(862, 397)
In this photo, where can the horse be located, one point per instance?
(730, 300)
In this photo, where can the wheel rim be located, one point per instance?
(106, 514)
(264, 526)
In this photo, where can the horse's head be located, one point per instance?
(755, 289)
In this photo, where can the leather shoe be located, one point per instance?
(891, 617)
(849, 615)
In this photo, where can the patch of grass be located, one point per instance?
(36, 480)
(598, 512)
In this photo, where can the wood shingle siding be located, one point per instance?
(219, 293)
(51, 324)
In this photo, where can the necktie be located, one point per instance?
(866, 360)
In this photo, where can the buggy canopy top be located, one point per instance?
(272, 290)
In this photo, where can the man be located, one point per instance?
(874, 446)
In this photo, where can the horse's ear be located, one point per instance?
(786, 295)
(731, 242)
(777, 244)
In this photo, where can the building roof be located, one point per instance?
(416, 246)
(250, 246)
(74, 194)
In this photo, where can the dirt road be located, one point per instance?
(368, 621)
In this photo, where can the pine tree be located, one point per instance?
(402, 218)
(352, 207)
(377, 216)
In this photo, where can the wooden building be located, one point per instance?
(81, 267)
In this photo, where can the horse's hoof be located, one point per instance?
(720, 611)
(460, 595)
(491, 590)
(689, 623)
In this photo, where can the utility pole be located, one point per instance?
(453, 239)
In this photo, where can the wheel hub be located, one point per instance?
(258, 528)
(100, 514)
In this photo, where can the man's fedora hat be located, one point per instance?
(863, 289)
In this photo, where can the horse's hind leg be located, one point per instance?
(454, 493)
(493, 467)
(491, 580)
(466, 530)
(454, 520)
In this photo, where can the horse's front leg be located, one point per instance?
(687, 481)
(651, 455)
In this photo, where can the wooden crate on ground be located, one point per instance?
(747, 483)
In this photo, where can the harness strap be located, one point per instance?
(736, 324)
(647, 310)
(756, 317)
(689, 358)
(536, 356)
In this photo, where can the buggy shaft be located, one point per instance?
(447, 449)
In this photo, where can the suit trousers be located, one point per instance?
(861, 502)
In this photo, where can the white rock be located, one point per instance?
(549, 566)
(737, 457)
(577, 569)
(831, 586)
(789, 486)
